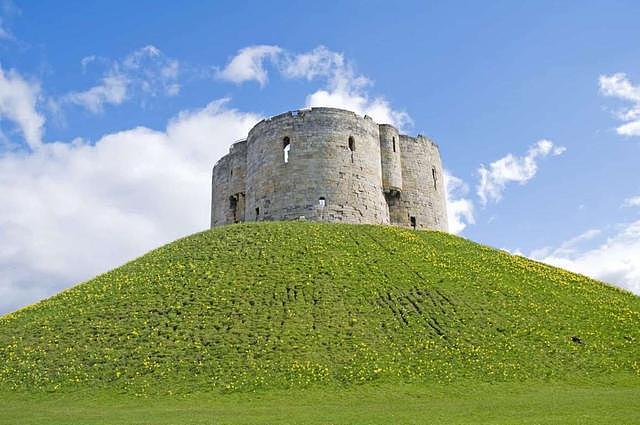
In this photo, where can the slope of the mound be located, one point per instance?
(291, 304)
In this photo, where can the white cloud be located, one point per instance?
(344, 88)
(72, 210)
(568, 247)
(615, 260)
(629, 129)
(634, 201)
(248, 64)
(319, 62)
(145, 71)
(112, 90)
(5, 34)
(348, 93)
(619, 86)
(18, 99)
(459, 208)
(87, 60)
(511, 168)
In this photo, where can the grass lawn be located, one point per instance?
(612, 400)
(289, 305)
(362, 324)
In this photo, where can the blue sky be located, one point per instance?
(112, 114)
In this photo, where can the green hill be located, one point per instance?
(289, 305)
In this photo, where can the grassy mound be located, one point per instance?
(293, 304)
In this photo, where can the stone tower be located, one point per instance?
(329, 164)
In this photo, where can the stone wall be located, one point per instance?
(338, 167)
(228, 186)
(423, 194)
(334, 155)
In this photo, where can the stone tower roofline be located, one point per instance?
(418, 136)
(302, 112)
(330, 164)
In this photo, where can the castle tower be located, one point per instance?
(390, 158)
(392, 172)
(423, 198)
(329, 164)
(228, 191)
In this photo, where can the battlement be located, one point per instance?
(301, 114)
(329, 164)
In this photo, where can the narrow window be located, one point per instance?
(413, 222)
(286, 146)
(394, 144)
(352, 146)
(322, 202)
(257, 212)
(435, 178)
(231, 172)
(233, 206)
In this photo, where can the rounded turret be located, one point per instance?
(423, 194)
(390, 158)
(322, 164)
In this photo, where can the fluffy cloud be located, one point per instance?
(146, 71)
(349, 93)
(459, 208)
(344, 88)
(614, 260)
(511, 168)
(71, 210)
(111, 90)
(634, 201)
(18, 99)
(619, 86)
(319, 62)
(248, 64)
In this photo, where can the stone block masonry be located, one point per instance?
(330, 164)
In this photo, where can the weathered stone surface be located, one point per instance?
(340, 167)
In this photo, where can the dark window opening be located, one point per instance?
(413, 222)
(286, 147)
(392, 197)
(233, 206)
(352, 147)
(257, 212)
(231, 172)
(322, 202)
(435, 178)
(394, 144)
